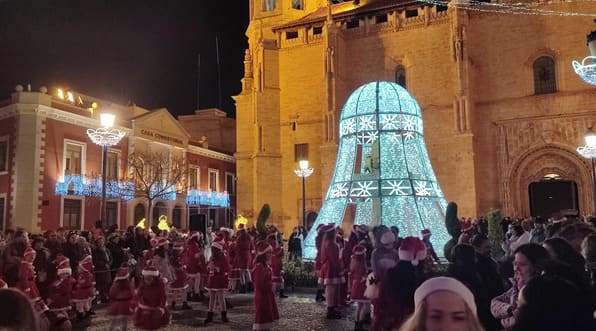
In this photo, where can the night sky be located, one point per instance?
(128, 51)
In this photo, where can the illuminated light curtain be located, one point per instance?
(395, 183)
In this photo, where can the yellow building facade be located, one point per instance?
(502, 105)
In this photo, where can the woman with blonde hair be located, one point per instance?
(444, 304)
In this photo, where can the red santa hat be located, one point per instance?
(466, 226)
(327, 228)
(218, 244)
(387, 237)
(558, 217)
(178, 246)
(263, 248)
(162, 242)
(359, 250)
(150, 271)
(412, 249)
(153, 241)
(3, 284)
(319, 227)
(425, 233)
(122, 272)
(445, 284)
(29, 251)
(63, 265)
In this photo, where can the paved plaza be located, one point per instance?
(298, 312)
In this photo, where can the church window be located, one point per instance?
(380, 19)
(545, 80)
(411, 13)
(268, 5)
(291, 34)
(400, 76)
(298, 4)
(300, 152)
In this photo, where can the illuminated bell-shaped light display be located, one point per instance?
(383, 168)
(163, 223)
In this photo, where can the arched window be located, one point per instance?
(545, 80)
(139, 213)
(159, 209)
(400, 76)
(177, 217)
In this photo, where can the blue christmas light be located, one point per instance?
(205, 198)
(395, 184)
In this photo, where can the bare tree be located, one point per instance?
(156, 176)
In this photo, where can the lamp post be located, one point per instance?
(106, 136)
(589, 152)
(304, 171)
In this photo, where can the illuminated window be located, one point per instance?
(300, 152)
(298, 4)
(4, 154)
(400, 76)
(112, 165)
(268, 5)
(544, 75)
(71, 214)
(230, 183)
(73, 158)
(194, 179)
(214, 180)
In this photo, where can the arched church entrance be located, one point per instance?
(572, 186)
(552, 195)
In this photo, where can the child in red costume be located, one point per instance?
(331, 271)
(266, 314)
(277, 261)
(26, 281)
(60, 291)
(318, 242)
(194, 261)
(178, 288)
(358, 274)
(217, 283)
(121, 293)
(243, 257)
(152, 312)
(84, 288)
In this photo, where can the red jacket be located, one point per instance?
(59, 294)
(277, 264)
(218, 268)
(151, 313)
(83, 288)
(265, 307)
(26, 281)
(181, 278)
(243, 253)
(331, 265)
(121, 298)
(194, 258)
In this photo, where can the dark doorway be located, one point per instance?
(551, 196)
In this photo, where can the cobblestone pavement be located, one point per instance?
(298, 312)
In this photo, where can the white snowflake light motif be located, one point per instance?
(397, 187)
(421, 188)
(383, 169)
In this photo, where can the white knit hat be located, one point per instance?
(445, 284)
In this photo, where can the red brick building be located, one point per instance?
(49, 167)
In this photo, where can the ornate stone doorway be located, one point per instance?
(537, 163)
(552, 195)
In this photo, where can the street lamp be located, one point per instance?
(106, 136)
(589, 152)
(304, 171)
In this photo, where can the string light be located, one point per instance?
(206, 198)
(506, 8)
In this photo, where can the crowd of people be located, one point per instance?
(543, 279)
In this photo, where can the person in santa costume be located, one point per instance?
(266, 314)
(396, 290)
(196, 271)
(430, 251)
(330, 271)
(60, 291)
(242, 259)
(357, 275)
(121, 293)
(234, 273)
(152, 311)
(318, 241)
(179, 287)
(277, 262)
(26, 281)
(217, 283)
(161, 261)
(84, 288)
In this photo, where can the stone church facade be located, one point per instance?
(502, 105)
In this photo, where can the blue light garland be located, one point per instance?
(206, 198)
(396, 184)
